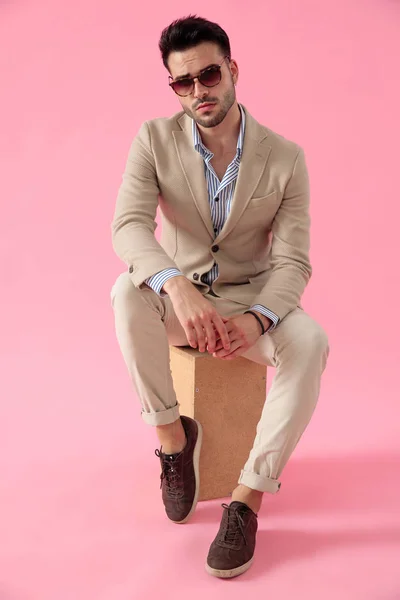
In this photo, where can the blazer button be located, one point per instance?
(131, 269)
(215, 248)
(195, 276)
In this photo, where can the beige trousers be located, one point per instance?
(146, 325)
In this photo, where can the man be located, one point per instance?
(226, 278)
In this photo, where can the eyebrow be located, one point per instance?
(189, 76)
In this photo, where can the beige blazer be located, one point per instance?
(263, 249)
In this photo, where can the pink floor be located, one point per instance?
(81, 517)
(93, 528)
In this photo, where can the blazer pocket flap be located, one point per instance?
(263, 200)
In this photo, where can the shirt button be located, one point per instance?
(215, 229)
(203, 278)
(217, 199)
(131, 269)
(215, 248)
(195, 276)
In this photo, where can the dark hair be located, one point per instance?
(191, 31)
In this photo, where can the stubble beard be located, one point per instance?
(227, 103)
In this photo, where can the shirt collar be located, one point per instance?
(205, 153)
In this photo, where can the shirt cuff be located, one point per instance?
(156, 282)
(267, 313)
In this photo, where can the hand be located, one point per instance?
(202, 323)
(244, 331)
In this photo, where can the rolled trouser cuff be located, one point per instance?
(259, 483)
(164, 417)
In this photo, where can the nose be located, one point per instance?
(200, 91)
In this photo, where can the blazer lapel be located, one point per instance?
(193, 167)
(255, 156)
(256, 151)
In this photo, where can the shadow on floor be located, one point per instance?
(361, 483)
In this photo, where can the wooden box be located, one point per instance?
(227, 398)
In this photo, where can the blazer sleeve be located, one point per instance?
(290, 264)
(134, 222)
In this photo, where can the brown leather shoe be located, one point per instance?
(180, 479)
(232, 551)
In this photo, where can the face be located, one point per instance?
(221, 97)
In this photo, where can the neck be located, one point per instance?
(223, 137)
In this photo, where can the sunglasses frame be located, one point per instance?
(192, 79)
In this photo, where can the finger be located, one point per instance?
(210, 336)
(191, 336)
(230, 331)
(222, 330)
(223, 352)
(230, 328)
(235, 354)
(218, 346)
(200, 335)
(232, 336)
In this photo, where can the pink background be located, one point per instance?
(81, 516)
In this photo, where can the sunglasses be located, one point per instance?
(209, 77)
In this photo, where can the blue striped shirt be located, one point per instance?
(220, 196)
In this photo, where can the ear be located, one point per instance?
(234, 70)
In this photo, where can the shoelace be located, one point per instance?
(170, 474)
(233, 520)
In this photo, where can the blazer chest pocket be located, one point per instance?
(264, 201)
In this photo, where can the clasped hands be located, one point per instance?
(243, 332)
(205, 328)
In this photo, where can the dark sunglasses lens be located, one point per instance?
(183, 87)
(210, 77)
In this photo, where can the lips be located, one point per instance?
(205, 105)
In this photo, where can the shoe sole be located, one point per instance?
(196, 466)
(228, 574)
